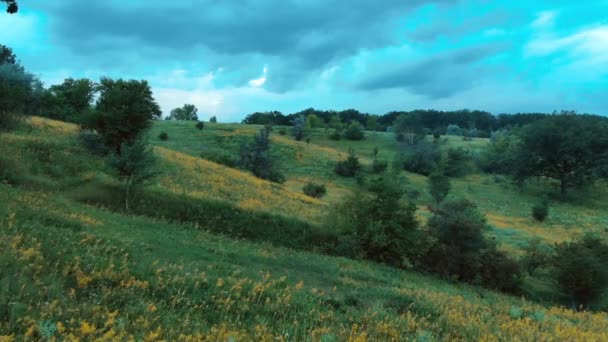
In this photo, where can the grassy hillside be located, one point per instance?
(71, 270)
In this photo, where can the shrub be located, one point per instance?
(379, 166)
(314, 190)
(453, 130)
(354, 131)
(535, 256)
(437, 133)
(349, 167)
(540, 210)
(256, 158)
(335, 135)
(221, 157)
(422, 158)
(378, 225)
(93, 142)
(282, 131)
(439, 186)
(580, 268)
(200, 125)
(163, 136)
(458, 162)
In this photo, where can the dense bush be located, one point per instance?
(379, 166)
(314, 190)
(256, 158)
(378, 225)
(200, 125)
(540, 210)
(348, 167)
(282, 131)
(354, 131)
(536, 255)
(335, 135)
(221, 157)
(421, 158)
(462, 252)
(580, 268)
(499, 155)
(439, 186)
(93, 142)
(458, 162)
(163, 136)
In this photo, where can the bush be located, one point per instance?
(256, 158)
(439, 186)
(314, 190)
(163, 136)
(282, 131)
(354, 131)
(581, 271)
(349, 167)
(458, 162)
(379, 166)
(93, 142)
(221, 157)
(422, 159)
(378, 225)
(437, 133)
(540, 210)
(335, 136)
(200, 125)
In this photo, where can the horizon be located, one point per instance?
(231, 59)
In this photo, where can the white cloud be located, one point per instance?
(258, 82)
(544, 19)
(588, 45)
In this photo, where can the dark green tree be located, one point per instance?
(350, 166)
(299, 128)
(123, 111)
(256, 157)
(186, 112)
(377, 225)
(70, 100)
(569, 148)
(213, 119)
(16, 88)
(372, 123)
(439, 186)
(133, 166)
(581, 270)
(354, 131)
(410, 127)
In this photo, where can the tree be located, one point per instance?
(186, 112)
(298, 129)
(354, 131)
(581, 270)
(70, 100)
(213, 119)
(313, 121)
(133, 165)
(410, 127)
(569, 148)
(348, 167)
(378, 225)
(372, 123)
(11, 6)
(457, 162)
(336, 123)
(256, 157)
(16, 88)
(439, 186)
(124, 109)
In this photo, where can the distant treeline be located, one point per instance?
(430, 119)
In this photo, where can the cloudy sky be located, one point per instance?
(233, 57)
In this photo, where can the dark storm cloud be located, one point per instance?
(436, 77)
(299, 36)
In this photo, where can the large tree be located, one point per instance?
(186, 112)
(571, 149)
(124, 109)
(69, 100)
(15, 87)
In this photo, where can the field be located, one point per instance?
(75, 270)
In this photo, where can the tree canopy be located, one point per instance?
(186, 112)
(11, 6)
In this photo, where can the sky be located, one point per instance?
(234, 57)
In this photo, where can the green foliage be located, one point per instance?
(354, 131)
(11, 6)
(186, 112)
(536, 255)
(213, 119)
(314, 190)
(377, 225)
(372, 123)
(256, 158)
(566, 147)
(458, 162)
(93, 142)
(462, 252)
(16, 87)
(409, 128)
(313, 121)
(298, 130)
(379, 166)
(335, 135)
(68, 101)
(348, 167)
(123, 111)
(580, 268)
(437, 133)
(453, 130)
(499, 155)
(540, 210)
(163, 136)
(439, 186)
(200, 125)
(134, 166)
(421, 158)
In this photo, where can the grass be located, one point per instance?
(70, 270)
